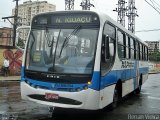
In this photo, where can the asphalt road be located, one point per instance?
(143, 106)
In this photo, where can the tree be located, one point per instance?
(154, 56)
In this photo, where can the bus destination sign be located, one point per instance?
(54, 19)
(73, 19)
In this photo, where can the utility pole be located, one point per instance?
(121, 12)
(86, 5)
(132, 13)
(15, 17)
(15, 22)
(69, 4)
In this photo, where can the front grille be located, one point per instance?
(58, 78)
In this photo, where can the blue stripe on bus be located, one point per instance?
(113, 76)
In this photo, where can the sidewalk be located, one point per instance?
(9, 78)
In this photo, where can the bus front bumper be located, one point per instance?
(85, 99)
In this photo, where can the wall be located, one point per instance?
(15, 59)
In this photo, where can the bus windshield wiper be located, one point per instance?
(74, 32)
(54, 59)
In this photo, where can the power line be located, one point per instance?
(152, 6)
(154, 3)
(148, 30)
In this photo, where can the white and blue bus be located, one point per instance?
(81, 60)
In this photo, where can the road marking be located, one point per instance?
(154, 98)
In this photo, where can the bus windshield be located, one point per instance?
(69, 50)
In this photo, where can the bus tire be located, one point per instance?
(116, 96)
(138, 90)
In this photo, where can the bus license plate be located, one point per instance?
(51, 96)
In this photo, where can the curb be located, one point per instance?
(10, 78)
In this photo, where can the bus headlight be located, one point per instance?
(89, 83)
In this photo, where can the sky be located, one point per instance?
(147, 19)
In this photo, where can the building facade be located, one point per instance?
(28, 9)
(154, 46)
(6, 36)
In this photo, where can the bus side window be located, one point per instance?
(107, 48)
(121, 45)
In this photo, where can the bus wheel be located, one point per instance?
(115, 98)
(138, 90)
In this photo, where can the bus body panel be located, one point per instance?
(106, 97)
(127, 87)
